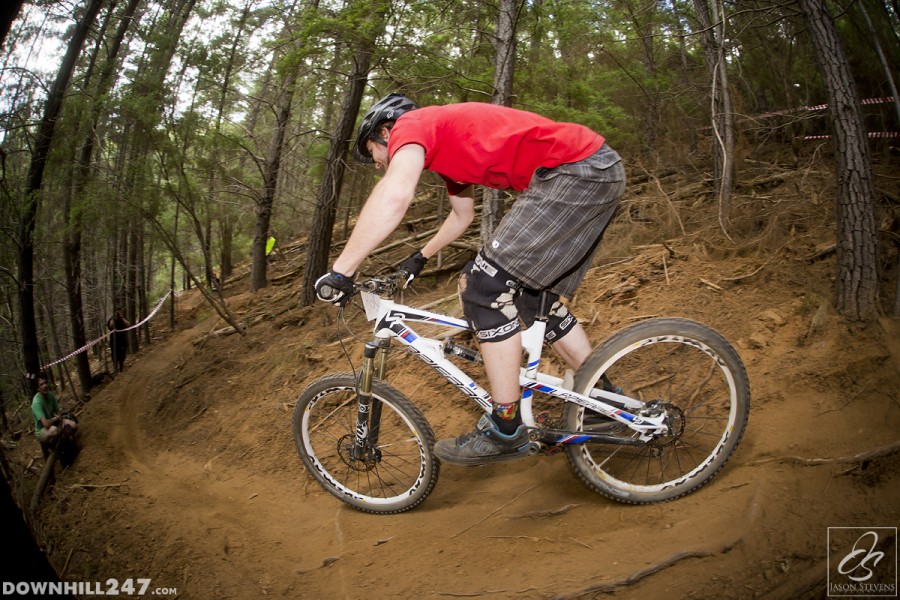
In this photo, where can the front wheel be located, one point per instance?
(686, 369)
(394, 472)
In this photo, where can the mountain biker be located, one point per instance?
(569, 181)
(48, 417)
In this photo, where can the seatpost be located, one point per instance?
(543, 311)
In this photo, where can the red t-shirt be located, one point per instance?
(490, 145)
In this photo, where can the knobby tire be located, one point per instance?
(684, 365)
(397, 474)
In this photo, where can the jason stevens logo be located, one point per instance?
(862, 562)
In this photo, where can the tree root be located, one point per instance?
(880, 452)
(495, 511)
(813, 578)
(545, 513)
(651, 570)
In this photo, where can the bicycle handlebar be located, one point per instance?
(386, 285)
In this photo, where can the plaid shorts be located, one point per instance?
(550, 235)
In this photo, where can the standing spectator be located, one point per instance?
(270, 245)
(118, 343)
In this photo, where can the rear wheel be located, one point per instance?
(391, 475)
(690, 372)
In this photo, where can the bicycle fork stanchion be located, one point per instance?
(368, 411)
(364, 402)
(380, 366)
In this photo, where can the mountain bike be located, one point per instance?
(653, 413)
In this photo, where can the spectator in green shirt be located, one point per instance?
(47, 415)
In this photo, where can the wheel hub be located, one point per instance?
(346, 447)
(674, 421)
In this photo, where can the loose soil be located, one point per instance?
(188, 474)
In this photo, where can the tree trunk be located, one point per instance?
(131, 284)
(643, 18)
(172, 271)
(34, 184)
(889, 77)
(856, 292)
(25, 561)
(335, 163)
(226, 220)
(72, 218)
(9, 10)
(722, 115)
(258, 268)
(504, 71)
(141, 277)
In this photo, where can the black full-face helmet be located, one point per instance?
(386, 109)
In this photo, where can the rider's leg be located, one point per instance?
(574, 347)
(502, 360)
(488, 296)
(563, 331)
(501, 363)
(46, 439)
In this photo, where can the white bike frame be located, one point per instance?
(391, 322)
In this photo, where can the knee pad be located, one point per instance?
(559, 319)
(488, 296)
(559, 323)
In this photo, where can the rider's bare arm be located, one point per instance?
(462, 212)
(385, 208)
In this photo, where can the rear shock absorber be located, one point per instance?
(451, 348)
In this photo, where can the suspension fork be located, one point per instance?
(368, 408)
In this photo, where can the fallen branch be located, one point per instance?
(62, 573)
(748, 275)
(821, 252)
(532, 538)
(202, 410)
(96, 486)
(546, 513)
(711, 285)
(406, 240)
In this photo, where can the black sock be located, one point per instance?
(506, 417)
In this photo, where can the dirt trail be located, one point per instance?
(188, 474)
(206, 503)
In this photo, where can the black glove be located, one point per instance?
(412, 266)
(334, 287)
